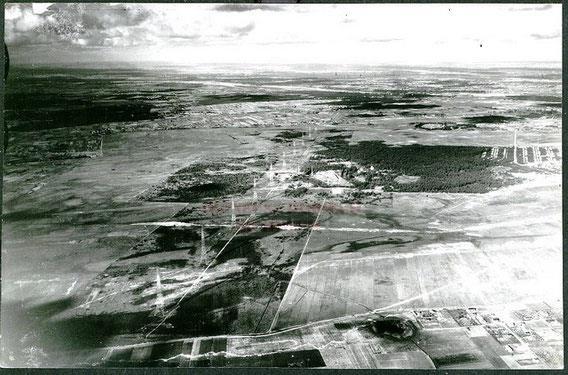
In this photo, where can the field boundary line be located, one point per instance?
(277, 315)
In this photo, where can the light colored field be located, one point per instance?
(462, 276)
(480, 250)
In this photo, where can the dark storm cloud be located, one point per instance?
(546, 36)
(247, 7)
(532, 8)
(83, 24)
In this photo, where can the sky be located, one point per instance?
(413, 34)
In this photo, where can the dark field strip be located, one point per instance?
(87, 114)
(40, 99)
(489, 119)
(537, 98)
(453, 359)
(442, 126)
(217, 344)
(244, 98)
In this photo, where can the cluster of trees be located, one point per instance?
(287, 136)
(489, 119)
(296, 192)
(441, 168)
(192, 184)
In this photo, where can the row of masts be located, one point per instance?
(515, 147)
(520, 153)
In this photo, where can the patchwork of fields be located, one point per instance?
(271, 221)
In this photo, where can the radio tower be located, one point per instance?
(203, 251)
(233, 216)
(515, 147)
(159, 295)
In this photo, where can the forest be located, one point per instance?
(453, 169)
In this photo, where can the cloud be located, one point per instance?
(247, 8)
(287, 42)
(546, 36)
(98, 16)
(169, 32)
(78, 24)
(241, 31)
(380, 40)
(531, 8)
(21, 25)
(117, 25)
(184, 37)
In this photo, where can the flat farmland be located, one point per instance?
(249, 226)
(476, 251)
(462, 277)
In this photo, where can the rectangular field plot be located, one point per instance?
(459, 274)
